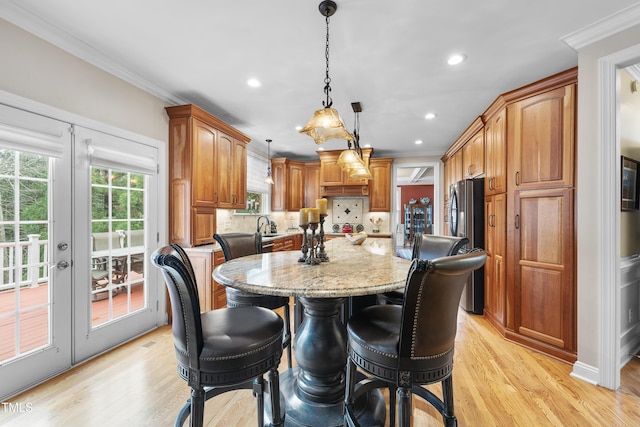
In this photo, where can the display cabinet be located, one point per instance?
(417, 219)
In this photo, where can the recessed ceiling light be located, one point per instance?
(254, 82)
(367, 145)
(430, 116)
(320, 148)
(456, 59)
(298, 127)
(418, 142)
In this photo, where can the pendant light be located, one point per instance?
(326, 123)
(268, 179)
(350, 160)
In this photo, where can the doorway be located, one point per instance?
(59, 182)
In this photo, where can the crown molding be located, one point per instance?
(14, 13)
(604, 28)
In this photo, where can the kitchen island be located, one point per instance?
(314, 390)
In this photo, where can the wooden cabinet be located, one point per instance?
(335, 182)
(495, 303)
(473, 151)
(417, 219)
(231, 172)
(544, 295)
(207, 170)
(311, 183)
(380, 185)
(495, 134)
(541, 132)
(211, 294)
(288, 189)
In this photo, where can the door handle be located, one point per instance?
(62, 265)
(517, 221)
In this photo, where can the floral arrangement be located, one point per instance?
(376, 224)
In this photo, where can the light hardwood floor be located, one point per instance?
(496, 383)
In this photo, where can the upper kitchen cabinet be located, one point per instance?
(207, 170)
(541, 130)
(231, 172)
(288, 189)
(473, 150)
(495, 139)
(335, 182)
(380, 185)
(311, 183)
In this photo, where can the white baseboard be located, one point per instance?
(585, 372)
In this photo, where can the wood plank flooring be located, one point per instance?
(496, 383)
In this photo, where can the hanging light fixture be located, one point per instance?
(326, 123)
(350, 160)
(269, 179)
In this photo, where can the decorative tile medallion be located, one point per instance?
(347, 210)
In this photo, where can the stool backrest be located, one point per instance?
(235, 245)
(432, 246)
(185, 305)
(431, 299)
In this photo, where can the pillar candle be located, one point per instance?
(304, 216)
(314, 215)
(321, 204)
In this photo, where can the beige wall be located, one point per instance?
(589, 175)
(39, 71)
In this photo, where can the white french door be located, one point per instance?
(116, 190)
(63, 298)
(35, 249)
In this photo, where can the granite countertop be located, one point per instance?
(213, 247)
(352, 270)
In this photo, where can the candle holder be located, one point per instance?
(313, 259)
(305, 243)
(322, 255)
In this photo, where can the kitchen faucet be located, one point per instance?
(258, 227)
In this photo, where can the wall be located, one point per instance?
(415, 192)
(37, 70)
(590, 225)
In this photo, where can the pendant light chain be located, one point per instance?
(327, 79)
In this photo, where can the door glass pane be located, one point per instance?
(118, 286)
(25, 294)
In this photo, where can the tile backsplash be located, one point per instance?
(228, 221)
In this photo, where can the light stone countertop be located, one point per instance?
(353, 270)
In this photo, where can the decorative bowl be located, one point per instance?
(356, 239)
(425, 200)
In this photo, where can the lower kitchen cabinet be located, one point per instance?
(544, 294)
(495, 267)
(212, 295)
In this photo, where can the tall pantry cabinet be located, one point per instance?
(530, 281)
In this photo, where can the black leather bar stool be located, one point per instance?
(219, 350)
(426, 246)
(235, 245)
(402, 347)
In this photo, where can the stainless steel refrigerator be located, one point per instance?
(466, 219)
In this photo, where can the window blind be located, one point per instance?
(256, 173)
(32, 133)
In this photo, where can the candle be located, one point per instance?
(314, 215)
(321, 204)
(304, 216)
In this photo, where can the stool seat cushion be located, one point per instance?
(235, 339)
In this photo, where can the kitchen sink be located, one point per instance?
(274, 235)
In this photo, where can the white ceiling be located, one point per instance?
(388, 55)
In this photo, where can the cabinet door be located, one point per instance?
(380, 185)
(295, 187)
(543, 139)
(496, 154)
(330, 172)
(311, 183)
(448, 165)
(203, 225)
(202, 268)
(457, 173)
(495, 271)
(224, 171)
(203, 181)
(544, 291)
(279, 187)
(239, 175)
(473, 156)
